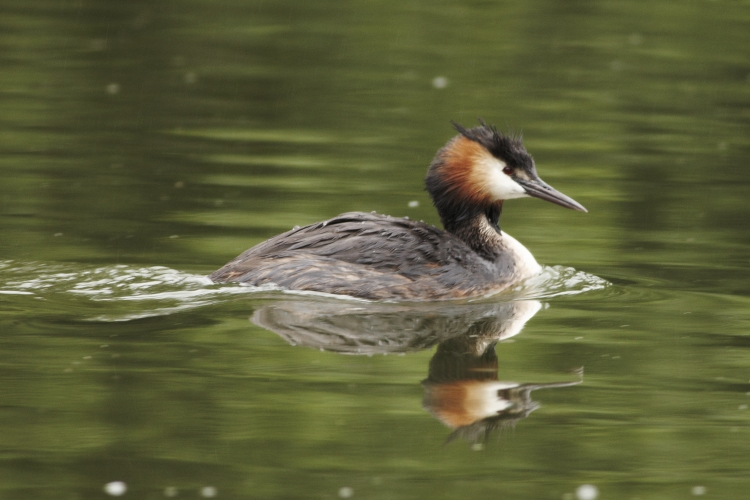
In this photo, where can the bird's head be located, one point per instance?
(480, 168)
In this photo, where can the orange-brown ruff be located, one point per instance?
(381, 257)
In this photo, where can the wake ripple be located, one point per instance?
(130, 292)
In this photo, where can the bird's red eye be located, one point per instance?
(507, 170)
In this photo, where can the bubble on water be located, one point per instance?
(346, 492)
(208, 492)
(413, 204)
(698, 490)
(115, 488)
(113, 88)
(587, 492)
(170, 491)
(440, 82)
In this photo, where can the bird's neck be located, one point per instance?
(478, 228)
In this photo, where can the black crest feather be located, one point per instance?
(507, 148)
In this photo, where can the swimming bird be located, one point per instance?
(379, 257)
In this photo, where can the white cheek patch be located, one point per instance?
(486, 401)
(499, 185)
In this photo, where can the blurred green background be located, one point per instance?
(177, 134)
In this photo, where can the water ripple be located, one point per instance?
(133, 292)
(557, 281)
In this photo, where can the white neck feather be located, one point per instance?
(525, 263)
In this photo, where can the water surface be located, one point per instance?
(144, 145)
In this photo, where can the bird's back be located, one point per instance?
(369, 256)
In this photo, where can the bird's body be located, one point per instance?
(381, 257)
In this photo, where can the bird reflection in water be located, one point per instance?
(462, 389)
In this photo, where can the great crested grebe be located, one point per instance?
(374, 256)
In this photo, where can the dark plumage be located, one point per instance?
(506, 147)
(370, 256)
(380, 257)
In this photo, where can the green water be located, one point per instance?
(144, 144)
